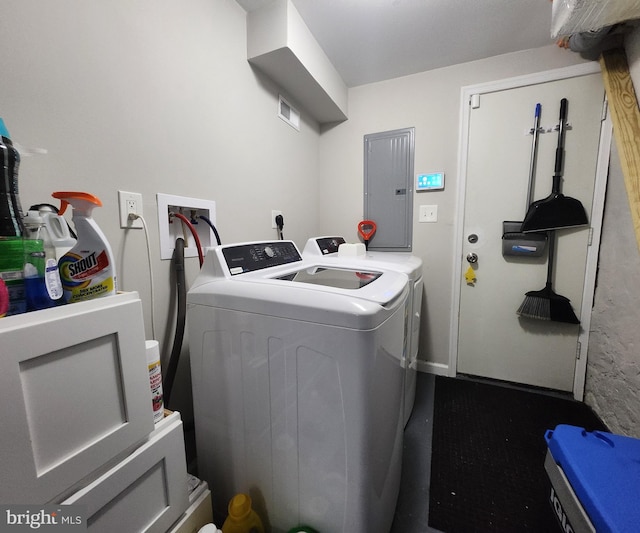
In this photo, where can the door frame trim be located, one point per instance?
(466, 92)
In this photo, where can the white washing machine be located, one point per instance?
(297, 386)
(330, 249)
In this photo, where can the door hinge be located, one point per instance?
(605, 110)
(578, 350)
(590, 236)
(474, 101)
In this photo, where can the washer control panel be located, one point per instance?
(243, 258)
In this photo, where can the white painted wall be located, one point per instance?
(430, 102)
(153, 96)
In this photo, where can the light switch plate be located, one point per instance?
(428, 213)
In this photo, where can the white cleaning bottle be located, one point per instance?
(87, 270)
(43, 287)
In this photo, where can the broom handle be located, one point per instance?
(534, 151)
(557, 178)
(550, 259)
(557, 175)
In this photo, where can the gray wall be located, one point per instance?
(157, 96)
(430, 102)
(153, 96)
(613, 371)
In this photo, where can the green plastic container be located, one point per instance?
(11, 272)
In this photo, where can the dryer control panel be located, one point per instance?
(243, 258)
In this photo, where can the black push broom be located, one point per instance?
(545, 304)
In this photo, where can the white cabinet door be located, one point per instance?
(75, 394)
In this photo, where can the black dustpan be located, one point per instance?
(557, 210)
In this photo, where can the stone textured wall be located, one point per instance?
(613, 371)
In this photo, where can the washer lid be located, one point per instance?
(332, 276)
(275, 282)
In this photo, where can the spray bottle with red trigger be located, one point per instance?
(87, 270)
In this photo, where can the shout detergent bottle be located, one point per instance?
(88, 269)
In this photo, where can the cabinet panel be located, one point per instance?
(75, 394)
(145, 492)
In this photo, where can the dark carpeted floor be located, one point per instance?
(488, 450)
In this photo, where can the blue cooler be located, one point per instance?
(595, 480)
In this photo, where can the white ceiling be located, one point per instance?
(374, 40)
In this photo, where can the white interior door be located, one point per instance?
(492, 340)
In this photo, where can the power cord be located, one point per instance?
(280, 224)
(134, 216)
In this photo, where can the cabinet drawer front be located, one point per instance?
(145, 492)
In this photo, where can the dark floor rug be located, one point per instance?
(488, 450)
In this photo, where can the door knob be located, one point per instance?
(472, 257)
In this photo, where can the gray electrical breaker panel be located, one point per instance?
(388, 188)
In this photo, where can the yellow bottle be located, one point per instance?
(242, 519)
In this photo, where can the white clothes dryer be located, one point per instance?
(331, 249)
(297, 386)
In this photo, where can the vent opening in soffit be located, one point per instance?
(288, 113)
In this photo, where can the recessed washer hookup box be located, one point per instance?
(595, 479)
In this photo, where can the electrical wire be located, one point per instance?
(172, 366)
(193, 231)
(134, 216)
(213, 228)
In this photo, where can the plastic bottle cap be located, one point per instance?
(240, 506)
(209, 528)
(4, 132)
(81, 201)
(33, 217)
(153, 351)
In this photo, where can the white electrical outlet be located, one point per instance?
(274, 214)
(130, 202)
